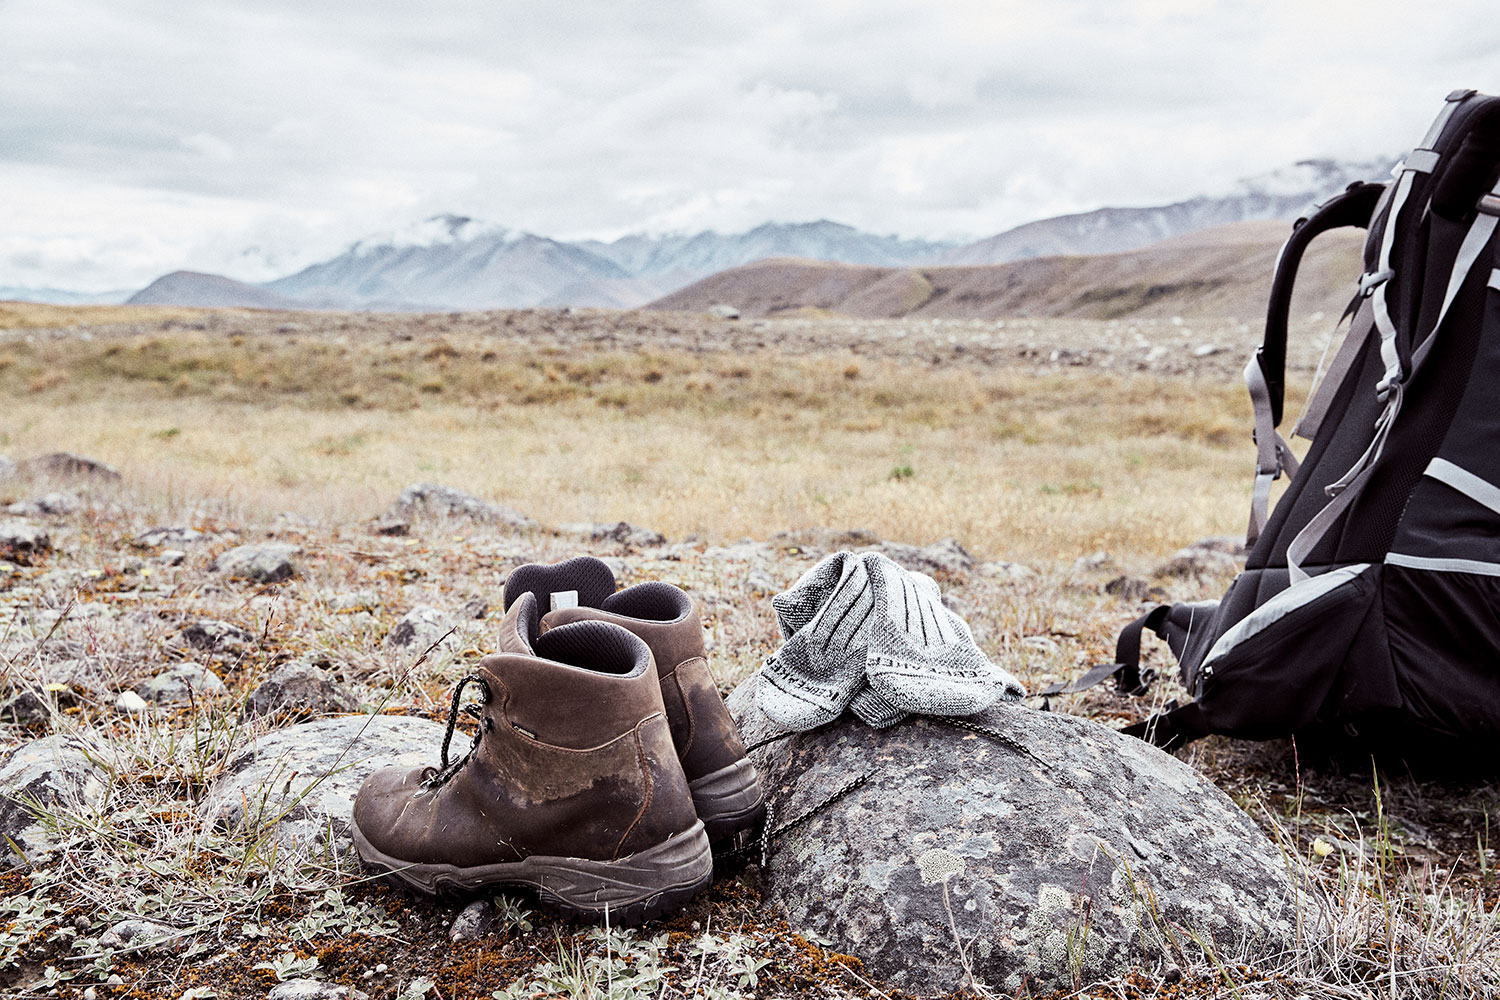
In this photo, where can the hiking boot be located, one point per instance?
(571, 787)
(725, 787)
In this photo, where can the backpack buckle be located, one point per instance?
(1489, 204)
(1373, 280)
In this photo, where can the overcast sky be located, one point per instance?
(141, 137)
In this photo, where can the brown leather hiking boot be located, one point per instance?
(726, 790)
(571, 788)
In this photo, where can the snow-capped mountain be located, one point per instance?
(458, 262)
(1277, 195)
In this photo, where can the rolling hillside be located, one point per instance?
(1224, 271)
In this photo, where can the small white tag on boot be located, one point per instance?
(564, 599)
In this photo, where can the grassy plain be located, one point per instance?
(1029, 463)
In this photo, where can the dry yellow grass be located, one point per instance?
(1016, 463)
(37, 316)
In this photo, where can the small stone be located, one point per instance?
(418, 629)
(433, 499)
(7, 468)
(300, 688)
(1129, 587)
(182, 685)
(137, 934)
(21, 542)
(49, 771)
(177, 535)
(392, 527)
(1200, 559)
(65, 465)
(620, 531)
(130, 703)
(475, 608)
(47, 505)
(1013, 572)
(171, 557)
(267, 563)
(1205, 350)
(25, 708)
(1099, 560)
(472, 923)
(216, 637)
(722, 310)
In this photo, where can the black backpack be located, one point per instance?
(1369, 606)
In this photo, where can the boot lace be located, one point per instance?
(447, 770)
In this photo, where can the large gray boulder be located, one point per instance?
(1079, 857)
(298, 784)
(50, 773)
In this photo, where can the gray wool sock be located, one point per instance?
(811, 679)
(922, 657)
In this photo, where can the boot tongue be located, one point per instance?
(579, 582)
(520, 626)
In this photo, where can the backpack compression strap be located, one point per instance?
(1175, 726)
(1126, 670)
(1265, 375)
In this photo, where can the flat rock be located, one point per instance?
(140, 934)
(1076, 858)
(170, 535)
(941, 558)
(214, 636)
(269, 562)
(182, 685)
(435, 500)
(22, 542)
(50, 772)
(1209, 557)
(65, 465)
(418, 628)
(621, 531)
(300, 688)
(300, 781)
(56, 504)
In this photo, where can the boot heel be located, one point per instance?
(638, 887)
(730, 801)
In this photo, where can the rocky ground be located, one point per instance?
(146, 662)
(1164, 346)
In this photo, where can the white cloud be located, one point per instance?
(145, 136)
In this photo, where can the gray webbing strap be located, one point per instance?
(1272, 453)
(1494, 281)
(1468, 254)
(1465, 482)
(1316, 409)
(1391, 390)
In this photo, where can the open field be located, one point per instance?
(1039, 442)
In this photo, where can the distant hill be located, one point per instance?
(190, 288)
(1224, 271)
(457, 262)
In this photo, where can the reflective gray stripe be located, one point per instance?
(1465, 482)
(1421, 160)
(1443, 565)
(1272, 453)
(1289, 600)
(1495, 279)
(1343, 361)
(1441, 121)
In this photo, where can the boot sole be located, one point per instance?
(731, 804)
(640, 886)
